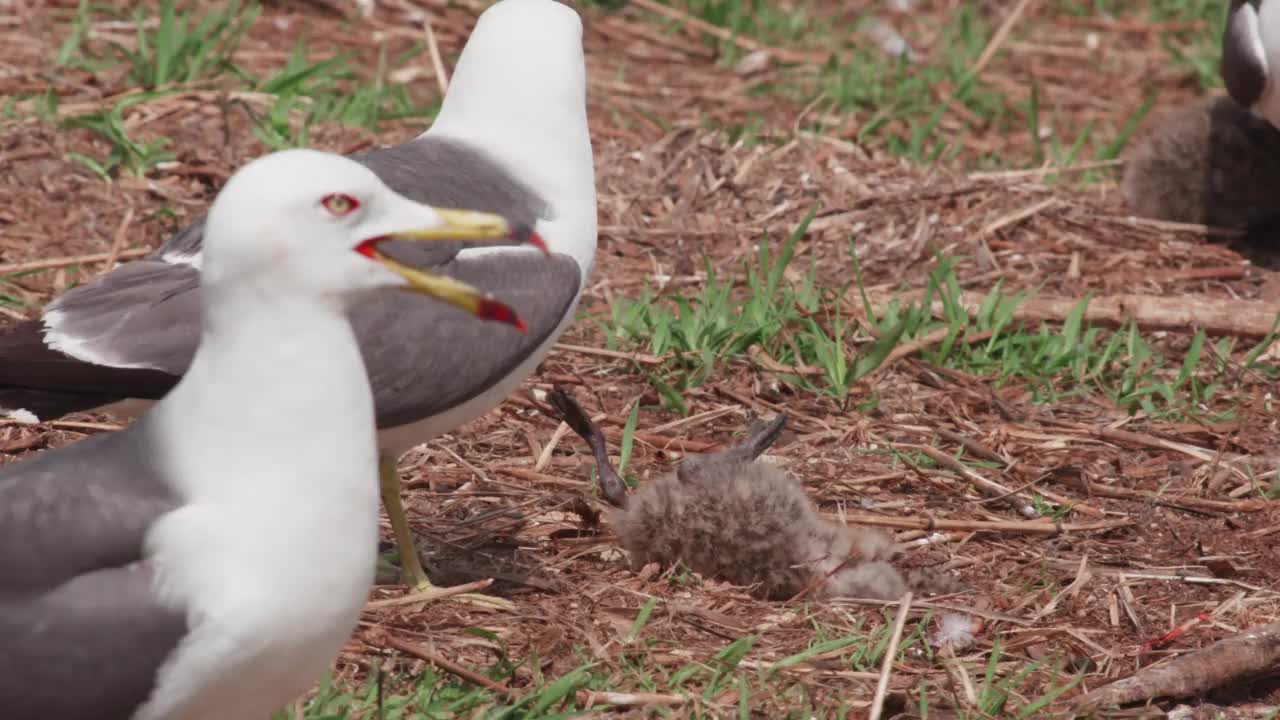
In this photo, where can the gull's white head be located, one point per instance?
(1250, 49)
(519, 91)
(522, 63)
(308, 224)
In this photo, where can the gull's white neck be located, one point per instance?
(277, 397)
(269, 438)
(273, 424)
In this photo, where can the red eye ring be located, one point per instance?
(339, 204)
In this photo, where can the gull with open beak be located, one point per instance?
(210, 560)
(511, 138)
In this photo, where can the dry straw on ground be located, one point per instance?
(1165, 521)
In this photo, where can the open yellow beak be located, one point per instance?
(459, 225)
(471, 226)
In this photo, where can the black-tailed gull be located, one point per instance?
(210, 560)
(511, 138)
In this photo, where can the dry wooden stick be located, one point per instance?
(1115, 491)
(694, 420)
(968, 443)
(59, 262)
(1253, 652)
(1159, 443)
(1221, 272)
(988, 52)
(1125, 574)
(990, 487)
(1017, 216)
(882, 686)
(914, 346)
(641, 358)
(67, 425)
(1039, 173)
(1037, 527)
(1172, 226)
(437, 62)
(117, 242)
(1217, 316)
(179, 92)
(449, 666)
(956, 465)
(663, 441)
(997, 40)
(1128, 436)
(767, 363)
(528, 475)
(545, 456)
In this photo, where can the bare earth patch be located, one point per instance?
(1150, 521)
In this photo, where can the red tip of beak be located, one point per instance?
(536, 240)
(494, 310)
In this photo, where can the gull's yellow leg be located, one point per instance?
(412, 573)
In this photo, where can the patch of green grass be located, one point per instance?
(904, 102)
(1199, 49)
(803, 325)
(132, 156)
(15, 302)
(738, 679)
(901, 106)
(793, 323)
(899, 103)
(771, 22)
(309, 93)
(1056, 362)
(179, 50)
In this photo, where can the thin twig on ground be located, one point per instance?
(59, 262)
(1216, 316)
(117, 242)
(890, 653)
(449, 666)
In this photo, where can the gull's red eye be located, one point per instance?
(339, 204)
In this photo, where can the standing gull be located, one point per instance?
(511, 138)
(1250, 51)
(154, 572)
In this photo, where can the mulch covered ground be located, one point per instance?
(1166, 521)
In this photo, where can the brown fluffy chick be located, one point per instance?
(731, 517)
(1213, 162)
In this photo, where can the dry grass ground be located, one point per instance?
(1149, 480)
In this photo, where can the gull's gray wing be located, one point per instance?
(81, 630)
(424, 357)
(135, 329)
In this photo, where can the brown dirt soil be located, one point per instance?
(1189, 535)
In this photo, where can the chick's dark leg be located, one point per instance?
(759, 437)
(612, 488)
